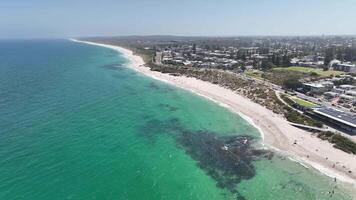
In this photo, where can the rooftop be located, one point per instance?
(314, 85)
(340, 116)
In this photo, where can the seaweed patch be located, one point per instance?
(114, 66)
(168, 107)
(155, 127)
(226, 159)
(159, 88)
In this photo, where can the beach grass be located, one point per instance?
(254, 74)
(340, 142)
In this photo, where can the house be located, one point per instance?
(334, 63)
(338, 90)
(314, 88)
(345, 67)
(328, 84)
(346, 98)
(351, 93)
(347, 87)
(330, 95)
(318, 87)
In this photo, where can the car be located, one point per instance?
(347, 106)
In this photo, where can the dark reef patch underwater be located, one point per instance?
(113, 66)
(226, 159)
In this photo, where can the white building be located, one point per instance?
(346, 98)
(331, 95)
(351, 93)
(347, 87)
(345, 67)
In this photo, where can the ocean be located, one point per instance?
(76, 123)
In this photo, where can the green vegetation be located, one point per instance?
(287, 99)
(302, 102)
(254, 74)
(311, 71)
(296, 117)
(292, 83)
(280, 76)
(266, 65)
(339, 141)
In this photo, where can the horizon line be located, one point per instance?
(178, 35)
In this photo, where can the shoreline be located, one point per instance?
(276, 132)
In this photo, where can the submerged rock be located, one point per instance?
(228, 160)
(114, 66)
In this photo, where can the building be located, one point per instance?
(331, 95)
(328, 84)
(338, 90)
(314, 88)
(340, 119)
(347, 87)
(351, 93)
(334, 63)
(345, 67)
(345, 98)
(318, 88)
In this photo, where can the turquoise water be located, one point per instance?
(76, 124)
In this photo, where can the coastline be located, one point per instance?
(276, 132)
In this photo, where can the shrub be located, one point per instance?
(339, 141)
(292, 83)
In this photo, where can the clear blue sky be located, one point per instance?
(73, 18)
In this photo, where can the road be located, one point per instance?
(300, 95)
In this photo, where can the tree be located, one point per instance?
(194, 48)
(313, 74)
(266, 65)
(339, 55)
(286, 61)
(292, 83)
(329, 56)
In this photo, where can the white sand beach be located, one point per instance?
(276, 132)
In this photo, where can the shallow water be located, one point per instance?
(76, 124)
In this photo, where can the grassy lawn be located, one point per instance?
(302, 102)
(320, 72)
(254, 74)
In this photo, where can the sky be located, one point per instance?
(79, 18)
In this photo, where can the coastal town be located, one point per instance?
(329, 92)
(315, 76)
(298, 92)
